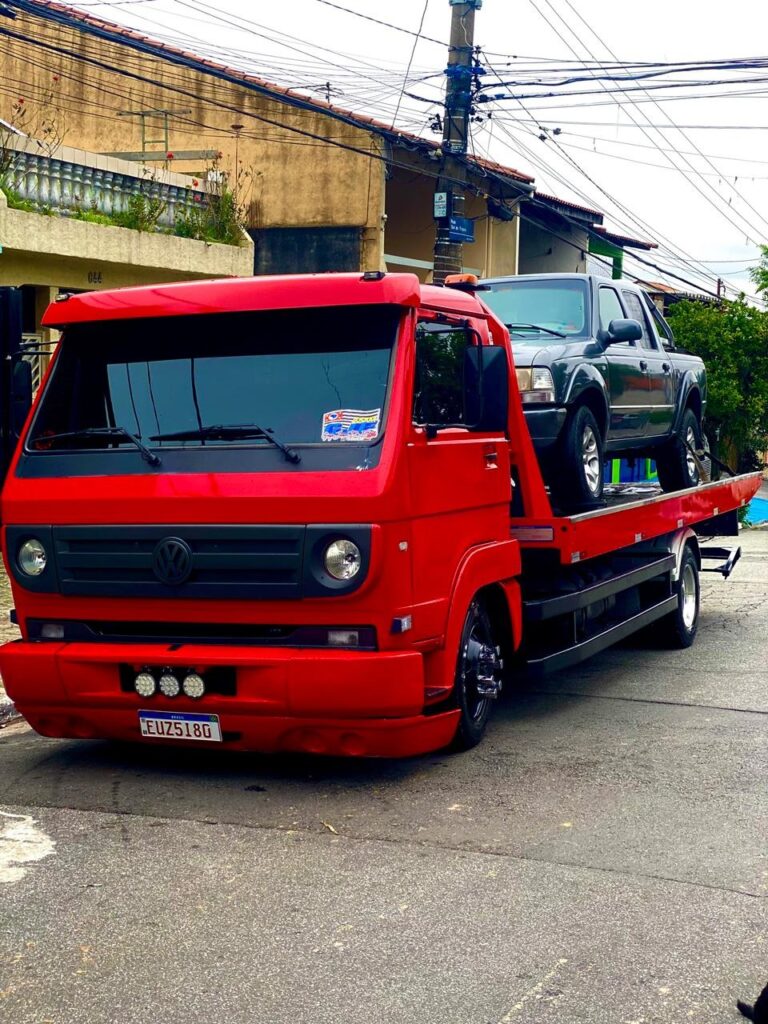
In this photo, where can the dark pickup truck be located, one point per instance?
(599, 375)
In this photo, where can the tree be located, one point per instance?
(732, 339)
(759, 274)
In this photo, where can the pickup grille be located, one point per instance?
(216, 561)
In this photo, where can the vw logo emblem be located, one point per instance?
(172, 561)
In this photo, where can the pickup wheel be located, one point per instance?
(478, 675)
(679, 628)
(577, 479)
(675, 463)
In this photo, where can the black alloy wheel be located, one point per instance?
(676, 466)
(577, 476)
(478, 678)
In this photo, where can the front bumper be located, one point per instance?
(545, 425)
(331, 702)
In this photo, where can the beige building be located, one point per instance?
(321, 188)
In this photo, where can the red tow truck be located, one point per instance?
(305, 513)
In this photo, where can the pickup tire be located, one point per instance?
(577, 476)
(478, 675)
(675, 464)
(679, 628)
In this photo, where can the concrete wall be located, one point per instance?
(410, 228)
(561, 250)
(65, 253)
(288, 178)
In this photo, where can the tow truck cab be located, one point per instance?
(288, 527)
(301, 513)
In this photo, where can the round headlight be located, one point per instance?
(342, 559)
(32, 557)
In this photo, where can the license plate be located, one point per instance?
(172, 725)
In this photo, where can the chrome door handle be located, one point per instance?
(643, 364)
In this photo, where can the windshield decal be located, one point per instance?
(351, 425)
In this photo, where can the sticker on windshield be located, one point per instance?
(351, 425)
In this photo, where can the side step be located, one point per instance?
(608, 636)
(728, 558)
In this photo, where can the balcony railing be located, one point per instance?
(74, 181)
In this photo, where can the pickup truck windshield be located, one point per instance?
(540, 309)
(305, 377)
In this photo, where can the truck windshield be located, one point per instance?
(258, 379)
(542, 309)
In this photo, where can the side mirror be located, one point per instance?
(623, 330)
(21, 395)
(486, 389)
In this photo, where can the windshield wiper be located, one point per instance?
(146, 453)
(534, 327)
(229, 432)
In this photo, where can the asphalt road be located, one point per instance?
(600, 858)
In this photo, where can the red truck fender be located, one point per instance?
(493, 568)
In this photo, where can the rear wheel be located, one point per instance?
(478, 675)
(679, 628)
(675, 462)
(577, 479)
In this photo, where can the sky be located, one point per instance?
(686, 167)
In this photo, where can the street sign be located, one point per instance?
(461, 229)
(441, 204)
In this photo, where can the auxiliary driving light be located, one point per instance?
(169, 685)
(144, 684)
(193, 685)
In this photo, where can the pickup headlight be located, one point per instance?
(536, 385)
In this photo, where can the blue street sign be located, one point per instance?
(461, 229)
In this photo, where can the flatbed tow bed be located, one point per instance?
(623, 548)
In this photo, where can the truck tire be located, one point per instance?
(577, 478)
(679, 628)
(478, 675)
(675, 464)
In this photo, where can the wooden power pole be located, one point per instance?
(452, 228)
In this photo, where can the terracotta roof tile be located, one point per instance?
(271, 87)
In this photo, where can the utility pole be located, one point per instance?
(452, 229)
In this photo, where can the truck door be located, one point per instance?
(627, 375)
(661, 385)
(15, 377)
(459, 476)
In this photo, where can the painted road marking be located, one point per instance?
(532, 993)
(21, 842)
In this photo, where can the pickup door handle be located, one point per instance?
(491, 459)
(666, 367)
(643, 364)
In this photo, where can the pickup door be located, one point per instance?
(658, 365)
(627, 375)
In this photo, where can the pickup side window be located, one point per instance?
(438, 393)
(660, 325)
(610, 309)
(636, 311)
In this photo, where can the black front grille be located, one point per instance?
(224, 561)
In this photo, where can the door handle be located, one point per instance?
(643, 364)
(666, 367)
(491, 460)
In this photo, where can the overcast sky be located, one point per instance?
(705, 197)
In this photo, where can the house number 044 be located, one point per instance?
(95, 277)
